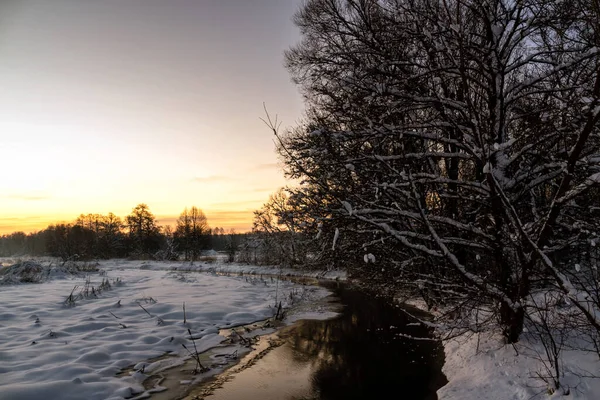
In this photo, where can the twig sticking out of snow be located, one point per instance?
(196, 356)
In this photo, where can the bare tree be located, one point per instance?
(231, 245)
(192, 233)
(144, 231)
(111, 243)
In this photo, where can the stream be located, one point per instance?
(361, 354)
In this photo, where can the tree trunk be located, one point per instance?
(512, 322)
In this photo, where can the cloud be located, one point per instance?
(213, 178)
(241, 221)
(267, 166)
(263, 189)
(167, 220)
(26, 224)
(27, 197)
(237, 204)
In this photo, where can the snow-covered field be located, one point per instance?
(54, 345)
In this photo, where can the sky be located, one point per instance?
(105, 104)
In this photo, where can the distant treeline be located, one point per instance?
(138, 235)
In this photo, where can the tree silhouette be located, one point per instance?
(144, 232)
(192, 234)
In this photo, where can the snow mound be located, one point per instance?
(23, 272)
(483, 367)
(34, 272)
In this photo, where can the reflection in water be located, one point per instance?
(358, 355)
(279, 375)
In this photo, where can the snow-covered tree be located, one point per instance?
(279, 230)
(462, 134)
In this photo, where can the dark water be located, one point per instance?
(358, 355)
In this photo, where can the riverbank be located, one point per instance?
(367, 351)
(483, 367)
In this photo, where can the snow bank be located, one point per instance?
(482, 367)
(235, 268)
(26, 271)
(36, 272)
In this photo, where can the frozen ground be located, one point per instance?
(60, 346)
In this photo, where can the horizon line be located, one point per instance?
(217, 218)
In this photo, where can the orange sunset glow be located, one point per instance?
(105, 105)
